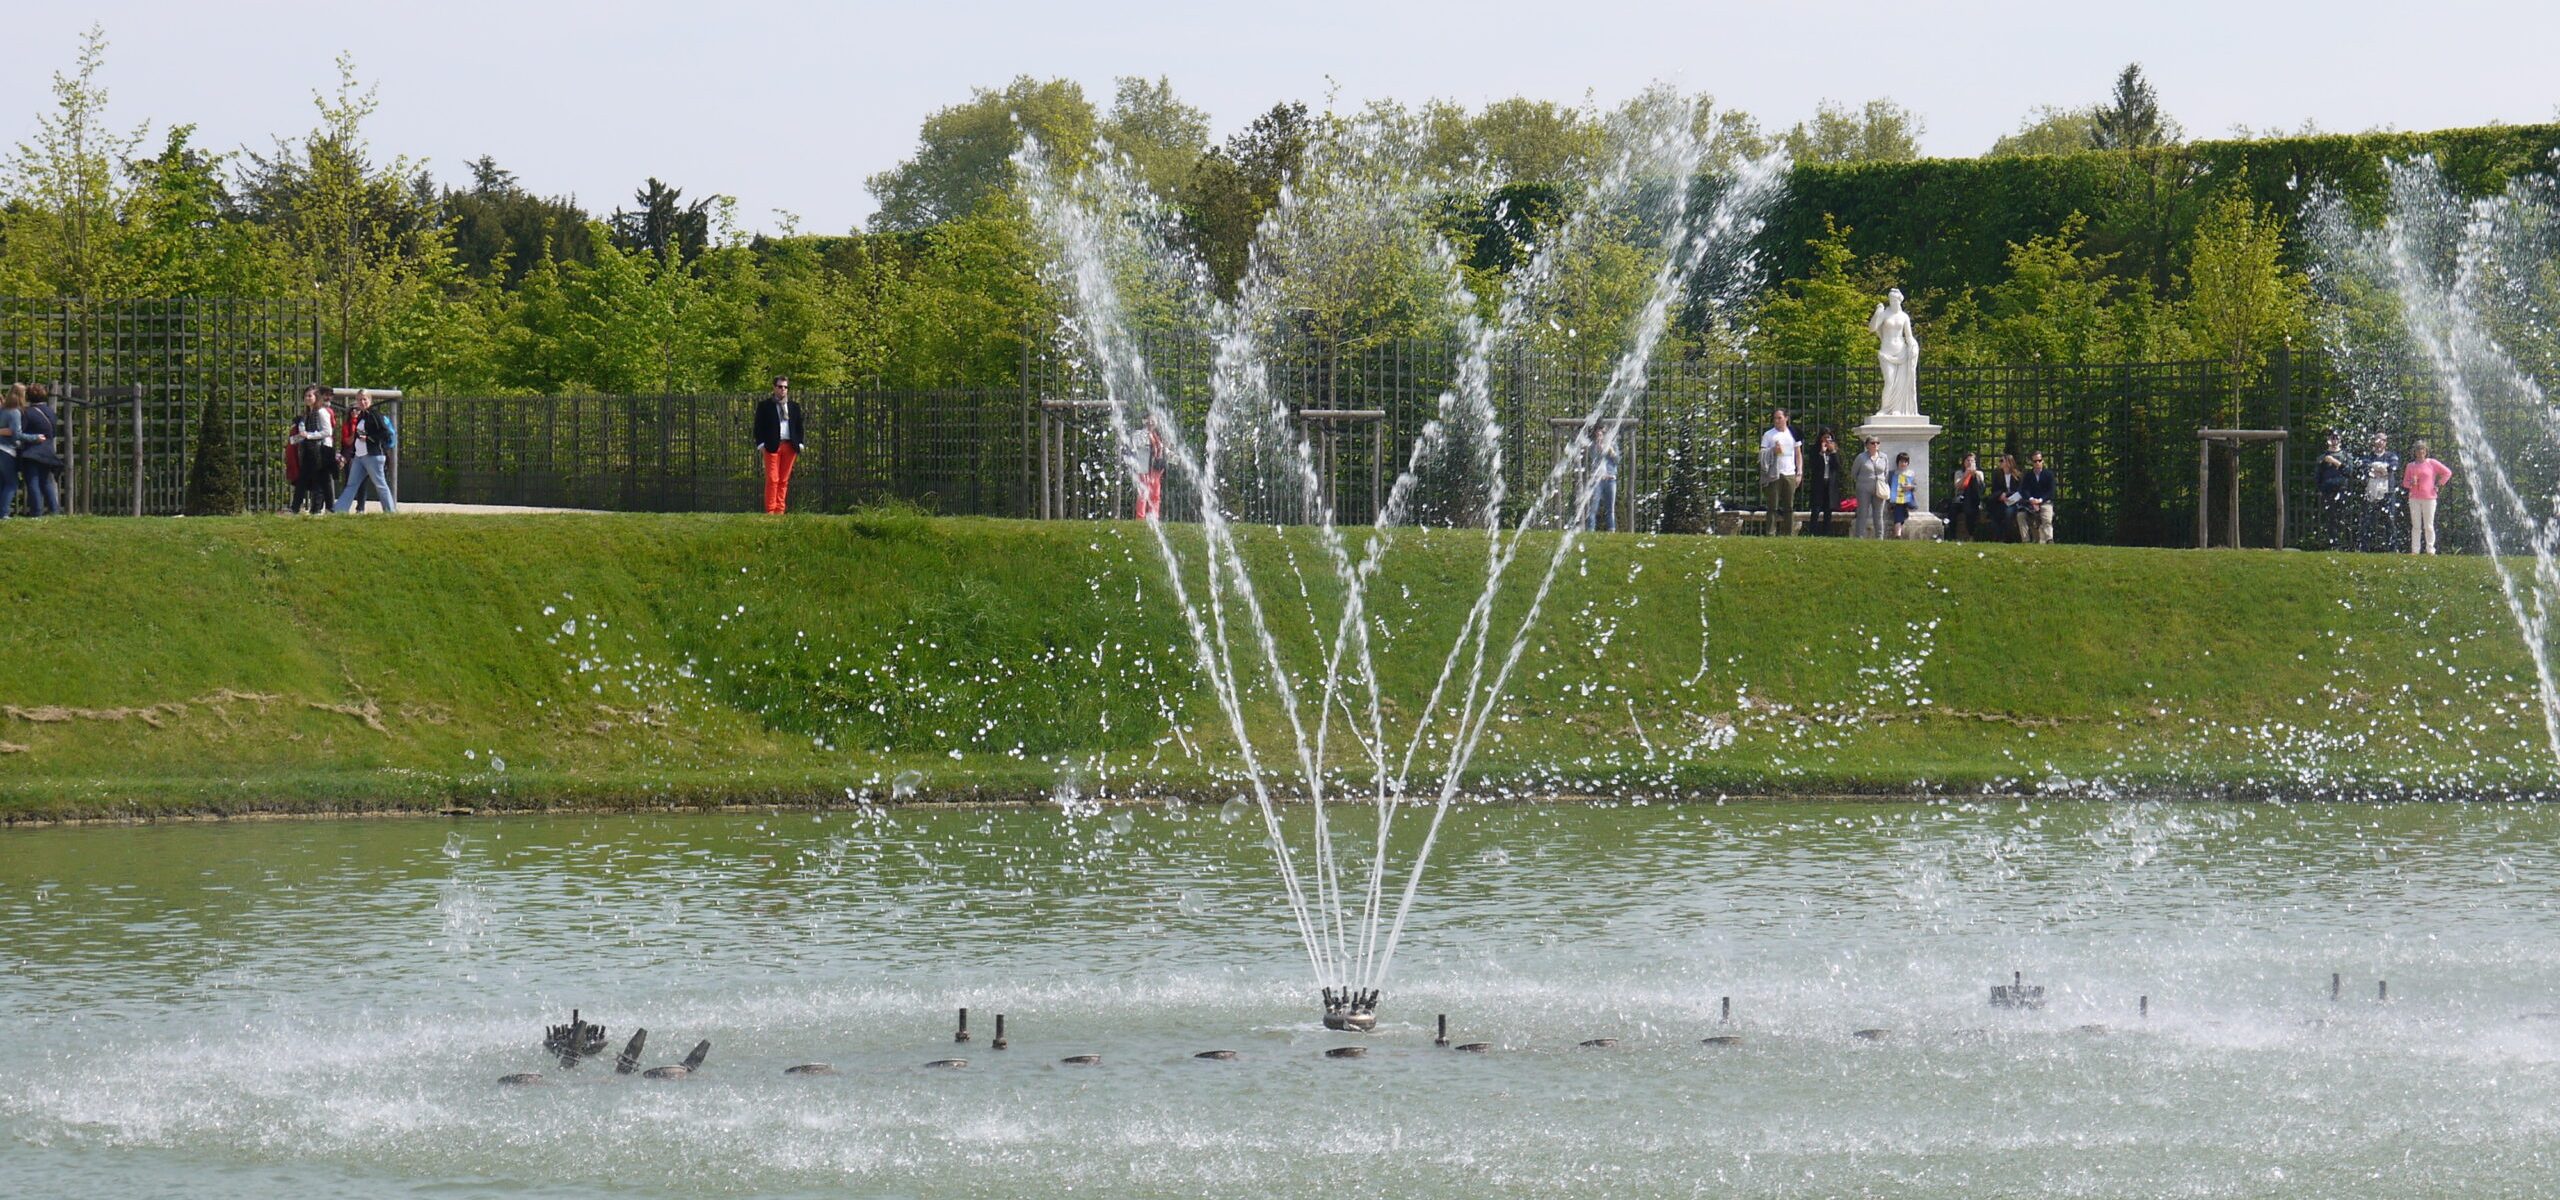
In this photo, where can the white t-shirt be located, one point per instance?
(1778, 454)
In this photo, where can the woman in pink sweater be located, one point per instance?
(2423, 478)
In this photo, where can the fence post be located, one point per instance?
(1030, 415)
(137, 450)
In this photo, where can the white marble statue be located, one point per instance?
(1898, 353)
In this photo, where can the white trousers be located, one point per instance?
(2422, 526)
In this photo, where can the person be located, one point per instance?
(2006, 498)
(2334, 478)
(1151, 480)
(312, 442)
(1868, 473)
(1901, 489)
(1964, 501)
(2035, 497)
(781, 431)
(1604, 480)
(1781, 469)
(2381, 494)
(1822, 481)
(2424, 480)
(39, 455)
(13, 408)
(368, 455)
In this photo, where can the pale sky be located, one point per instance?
(790, 106)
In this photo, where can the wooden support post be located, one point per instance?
(2205, 492)
(2281, 543)
(2231, 515)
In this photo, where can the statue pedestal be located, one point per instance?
(1901, 433)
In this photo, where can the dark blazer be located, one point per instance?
(2003, 483)
(769, 418)
(1822, 468)
(2038, 485)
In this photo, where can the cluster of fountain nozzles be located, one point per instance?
(578, 1041)
(1351, 1011)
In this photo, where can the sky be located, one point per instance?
(790, 106)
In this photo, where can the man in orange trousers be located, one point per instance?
(780, 432)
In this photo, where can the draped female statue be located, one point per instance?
(1898, 354)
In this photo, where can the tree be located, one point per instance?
(2049, 130)
(181, 235)
(500, 230)
(1521, 138)
(213, 479)
(1238, 182)
(2242, 301)
(364, 234)
(2131, 119)
(1882, 131)
(2056, 306)
(1159, 134)
(1822, 318)
(663, 224)
(965, 152)
(66, 218)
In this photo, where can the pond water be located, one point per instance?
(305, 1008)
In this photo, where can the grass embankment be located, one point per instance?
(274, 664)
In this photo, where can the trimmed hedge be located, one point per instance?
(1952, 220)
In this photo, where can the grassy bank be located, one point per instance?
(274, 664)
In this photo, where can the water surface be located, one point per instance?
(262, 1009)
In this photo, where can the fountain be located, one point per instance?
(1115, 255)
(2454, 281)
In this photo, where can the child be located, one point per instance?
(1904, 489)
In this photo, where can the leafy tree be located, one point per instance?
(1162, 136)
(2131, 118)
(663, 225)
(180, 235)
(500, 230)
(2058, 305)
(2049, 130)
(1237, 183)
(365, 234)
(1536, 139)
(965, 153)
(62, 229)
(1882, 131)
(1822, 317)
(954, 311)
(213, 479)
(2242, 301)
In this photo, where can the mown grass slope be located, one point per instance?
(265, 663)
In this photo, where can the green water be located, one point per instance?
(324, 1008)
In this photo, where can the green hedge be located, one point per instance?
(1952, 221)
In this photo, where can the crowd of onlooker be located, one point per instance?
(325, 444)
(1876, 495)
(30, 452)
(2366, 498)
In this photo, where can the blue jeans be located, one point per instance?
(44, 497)
(360, 469)
(1604, 505)
(8, 481)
